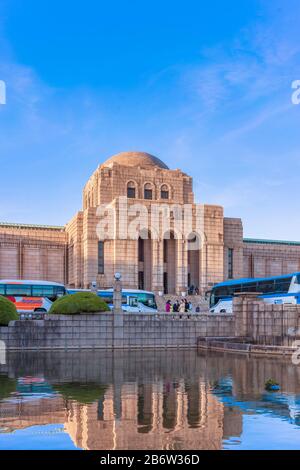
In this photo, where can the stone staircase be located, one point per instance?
(195, 300)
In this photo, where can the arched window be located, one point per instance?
(148, 193)
(164, 192)
(131, 190)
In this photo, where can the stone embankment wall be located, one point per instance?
(273, 325)
(109, 331)
(253, 321)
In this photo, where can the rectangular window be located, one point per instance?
(100, 257)
(249, 287)
(283, 285)
(230, 263)
(131, 193)
(43, 291)
(165, 250)
(148, 194)
(165, 194)
(141, 280)
(141, 250)
(2, 289)
(18, 290)
(165, 283)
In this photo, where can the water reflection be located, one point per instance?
(146, 400)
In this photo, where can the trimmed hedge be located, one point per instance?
(81, 302)
(8, 311)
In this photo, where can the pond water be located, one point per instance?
(147, 400)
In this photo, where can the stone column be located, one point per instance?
(158, 265)
(118, 316)
(182, 267)
(245, 306)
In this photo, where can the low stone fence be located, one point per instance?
(266, 324)
(111, 331)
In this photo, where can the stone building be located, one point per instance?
(140, 218)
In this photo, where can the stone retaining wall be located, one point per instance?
(261, 324)
(109, 331)
(266, 324)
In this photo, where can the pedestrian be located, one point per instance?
(186, 305)
(182, 306)
(198, 309)
(168, 306)
(176, 306)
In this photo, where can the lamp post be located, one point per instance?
(117, 295)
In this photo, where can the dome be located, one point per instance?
(141, 159)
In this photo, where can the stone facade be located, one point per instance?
(33, 252)
(153, 220)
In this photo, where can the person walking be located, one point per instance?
(182, 306)
(168, 306)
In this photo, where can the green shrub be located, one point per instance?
(81, 302)
(8, 311)
(83, 393)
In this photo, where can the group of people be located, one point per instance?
(183, 306)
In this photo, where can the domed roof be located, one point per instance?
(142, 159)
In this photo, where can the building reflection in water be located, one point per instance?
(158, 416)
(182, 400)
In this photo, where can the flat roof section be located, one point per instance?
(33, 226)
(271, 242)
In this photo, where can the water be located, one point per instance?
(147, 400)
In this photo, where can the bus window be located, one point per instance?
(133, 301)
(283, 285)
(2, 289)
(249, 287)
(147, 299)
(15, 290)
(265, 287)
(43, 291)
(108, 298)
(59, 291)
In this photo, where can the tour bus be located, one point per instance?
(132, 300)
(31, 298)
(274, 290)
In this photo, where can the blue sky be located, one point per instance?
(205, 86)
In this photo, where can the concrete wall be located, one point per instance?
(106, 331)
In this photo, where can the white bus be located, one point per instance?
(31, 298)
(273, 290)
(133, 300)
